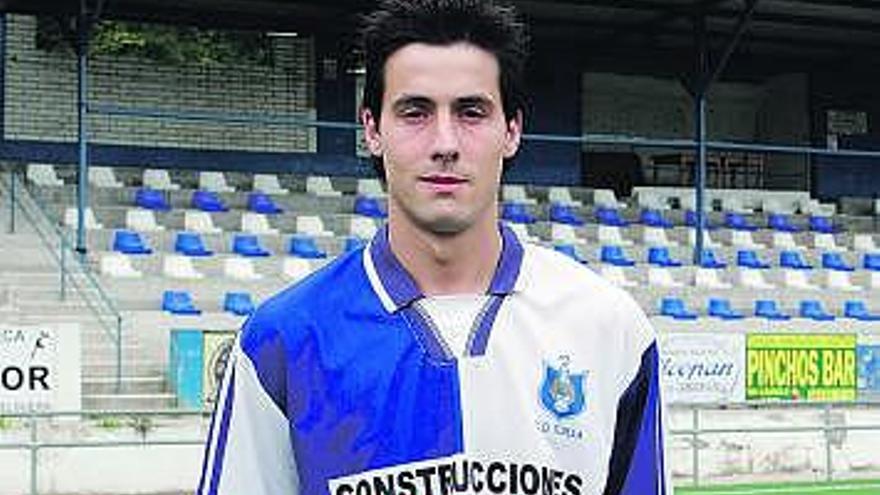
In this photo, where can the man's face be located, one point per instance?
(442, 136)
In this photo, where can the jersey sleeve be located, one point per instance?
(248, 448)
(638, 461)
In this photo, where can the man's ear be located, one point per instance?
(372, 137)
(514, 135)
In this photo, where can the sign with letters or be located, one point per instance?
(818, 367)
(702, 367)
(40, 368)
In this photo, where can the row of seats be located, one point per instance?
(181, 267)
(765, 308)
(182, 303)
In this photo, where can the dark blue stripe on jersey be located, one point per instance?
(220, 450)
(509, 263)
(427, 335)
(637, 456)
(400, 286)
(203, 477)
(480, 340)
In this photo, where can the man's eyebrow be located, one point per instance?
(411, 100)
(482, 100)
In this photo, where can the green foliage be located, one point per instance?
(172, 45)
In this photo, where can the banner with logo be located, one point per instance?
(818, 367)
(40, 368)
(217, 346)
(702, 367)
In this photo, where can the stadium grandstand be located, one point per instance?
(167, 166)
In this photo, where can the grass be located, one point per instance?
(844, 487)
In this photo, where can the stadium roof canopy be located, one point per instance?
(814, 30)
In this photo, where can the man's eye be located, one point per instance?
(472, 112)
(413, 113)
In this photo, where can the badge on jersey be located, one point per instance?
(562, 392)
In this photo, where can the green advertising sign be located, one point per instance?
(817, 367)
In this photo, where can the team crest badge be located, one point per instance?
(562, 392)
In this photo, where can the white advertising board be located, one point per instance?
(703, 367)
(40, 368)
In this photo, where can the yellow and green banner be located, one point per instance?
(820, 367)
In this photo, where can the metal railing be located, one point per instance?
(73, 268)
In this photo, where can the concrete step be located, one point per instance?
(137, 385)
(107, 367)
(129, 402)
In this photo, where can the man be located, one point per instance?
(446, 356)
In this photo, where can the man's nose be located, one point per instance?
(446, 145)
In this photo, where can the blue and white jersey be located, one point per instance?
(341, 385)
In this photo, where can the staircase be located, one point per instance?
(30, 293)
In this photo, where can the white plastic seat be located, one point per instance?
(864, 243)
(561, 195)
(240, 268)
(784, 240)
(655, 236)
(214, 181)
(371, 188)
(874, 281)
(363, 227)
(753, 279)
(296, 268)
(320, 185)
(561, 232)
(269, 184)
(710, 279)
(256, 223)
(71, 219)
(777, 205)
(522, 232)
(199, 221)
(659, 276)
(826, 242)
(607, 198)
(142, 220)
(734, 203)
(798, 279)
(103, 177)
(118, 265)
(43, 174)
(179, 267)
(616, 275)
(708, 242)
(743, 239)
(838, 280)
(159, 179)
(311, 225)
(516, 193)
(611, 235)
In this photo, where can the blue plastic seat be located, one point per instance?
(238, 303)
(748, 258)
(190, 244)
(857, 310)
(710, 260)
(822, 225)
(660, 256)
(736, 221)
(248, 245)
(871, 261)
(767, 309)
(151, 199)
(614, 255)
(129, 242)
(690, 219)
(720, 308)
(792, 259)
(674, 307)
(303, 246)
(812, 309)
(207, 201)
(179, 303)
(516, 213)
(780, 223)
(259, 202)
(833, 261)
(610, 216)
(561, 213)
(369, 207)
(653, 218)
(570, 251)
(353, 242)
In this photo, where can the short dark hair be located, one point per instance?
(488, 25)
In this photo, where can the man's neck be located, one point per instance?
(456, 264)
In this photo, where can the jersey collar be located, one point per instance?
(397, 289)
